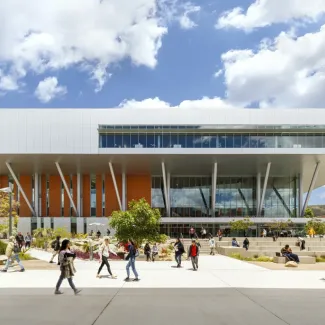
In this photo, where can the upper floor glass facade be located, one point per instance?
(209, 137)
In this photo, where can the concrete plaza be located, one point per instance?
(223, 291)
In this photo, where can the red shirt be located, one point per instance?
(193, 250)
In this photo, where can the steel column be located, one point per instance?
(311, 187)
(214, 189)
(36, 194)
(163, 167)
(264, 188)
(258, 193)
(20, 188)
(301, 195)
(79, 195)
(66, 188)
(124, 191)
(115, 186)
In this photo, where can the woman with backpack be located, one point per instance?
(179, 251)
(12, 252)
(133, 253)
(66, 259)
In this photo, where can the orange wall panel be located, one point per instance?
(111, 202)
(86, 195)
(138, 187)
(66, 198)
(26, 184)
(55, 196)
(43, 195)
(4, 181)
(99, 196)
(74, 192)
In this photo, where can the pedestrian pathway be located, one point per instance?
(214, 272)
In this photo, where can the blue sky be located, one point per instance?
(162, 53)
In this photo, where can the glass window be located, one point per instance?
(150, 140)
(229, 141)
(197, 141)
(143, 140)
(206, 140)
(189, 140)
(253, 141)
(110, 141)
(166, 140)
(318, 140)
(134, 140)
(245, 141)
(222, 141)
(269, 141)
(213, 140)
(118, 141)
(301, 140)
(126, 140)
(174, 139)
(237, 141)
(182, 140)
(158, 140)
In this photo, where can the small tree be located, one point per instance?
(4, 213)
(243, 224)
(317, 225)
(280, 225)
(309, 213)
(139, 223)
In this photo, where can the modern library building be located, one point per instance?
(199, 167)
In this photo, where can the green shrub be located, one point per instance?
(320, 259)
(256, 258)
(3, 247)
(25, 257)
(264, 259)
(237, 256)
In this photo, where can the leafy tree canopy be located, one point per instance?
(139, 223)
(309, 213)
(317, 225)
(4, 213)
(242, 224)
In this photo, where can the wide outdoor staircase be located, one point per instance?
(262, 246)
(267, 247)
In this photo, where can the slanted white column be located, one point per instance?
(115, 185)
(264, 188)
(214, 189)
(66, 188)
(258, 193)
(311, 187)
(79, 195)
(301, 195)
(168, 192)
(124, 191)
(36, 194)
(21, 190)
(163, 167)
(39, 201)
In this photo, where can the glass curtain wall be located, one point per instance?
(158, 199)
(235, 197)
(93, 195)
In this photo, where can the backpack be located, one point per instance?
(16, 249)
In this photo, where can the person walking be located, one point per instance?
(246, 244)
(66, 259)
(179, 251)
(192, 232)
(56, 248)
(155, 251)
(147, 251)
(28, 240)
(212, 244)
(193, 253)
(12, 252)
(220, 234)
(133, 254)
(104, 252)
(20, 239)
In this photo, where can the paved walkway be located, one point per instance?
(224, 291)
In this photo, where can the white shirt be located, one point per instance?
(212, 243)
(104, 250)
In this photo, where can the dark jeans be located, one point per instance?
(27, 244)
(61, 278)
(178, 258)
(195, 262)
(105, 262)
(148, 256)
(246, 247)
(154, 255)
(292, 257)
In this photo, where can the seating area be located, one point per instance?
(314, 247)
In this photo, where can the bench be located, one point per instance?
(303, 260)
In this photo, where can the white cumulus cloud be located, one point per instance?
(288, 71)
(48, 89)
(185, 21)
(205, 102)
(267, 12)
(41, 36)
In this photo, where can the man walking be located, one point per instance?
(28, 240)
(179, 251)
(20, 239)
(193, 253)
(12, 252)
(56, 248)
